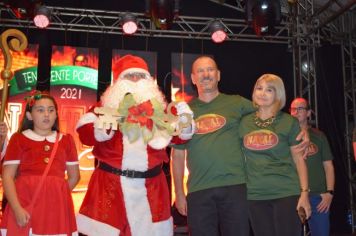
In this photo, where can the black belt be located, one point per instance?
(131, 173)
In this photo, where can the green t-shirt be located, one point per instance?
(214, 154)
(271, 171)
(318, 152)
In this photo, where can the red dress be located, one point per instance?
(53, 212)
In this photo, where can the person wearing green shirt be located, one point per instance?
(320, 170)
(277, 180)
(216, 203)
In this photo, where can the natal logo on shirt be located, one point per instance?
(260, 140)
(312, 149)
(209, 123)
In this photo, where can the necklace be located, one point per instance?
(263, 123)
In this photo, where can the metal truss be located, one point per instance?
(328, 21)
(303, 46)
(348, 47)
(108, 22)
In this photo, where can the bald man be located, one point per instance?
(320, 170)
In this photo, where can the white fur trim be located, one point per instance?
(93, 227)
(87, 118)
(4, 233)
(138, 211)
(160, 140)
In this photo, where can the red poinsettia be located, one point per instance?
(141, 114)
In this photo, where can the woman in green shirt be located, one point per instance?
(277, 181)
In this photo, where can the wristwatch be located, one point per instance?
(330, 191)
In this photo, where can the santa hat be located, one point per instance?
(129, 64)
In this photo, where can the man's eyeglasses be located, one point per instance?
(297, 109)
(138, 75)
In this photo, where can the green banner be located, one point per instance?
(25, 79)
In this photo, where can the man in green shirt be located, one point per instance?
(320, 170)
(216, 201)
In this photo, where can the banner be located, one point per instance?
(74, 83)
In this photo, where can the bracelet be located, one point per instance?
(305, 190)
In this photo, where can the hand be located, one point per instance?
(183, 108)
(3, 129)
(324, 205)
(181, 204)
(22, 217)
(303, 146)
(304, 203)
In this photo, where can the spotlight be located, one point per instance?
(217, 29)
(263, 15)
(162, 12)
(42, 17)
(129, 24)
(22, 9)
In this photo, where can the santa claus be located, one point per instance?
(128, 192)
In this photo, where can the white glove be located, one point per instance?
(185, 115)
(101, 134)
(182, 107)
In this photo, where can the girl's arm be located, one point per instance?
(8, 178)
(303, 179)
(73, 175)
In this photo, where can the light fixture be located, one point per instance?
(263, 15)
(42, 17)
(22, 9)
(217, 30)
(129, 23)
(162, 12)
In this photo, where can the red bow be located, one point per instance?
(34, 95)
(141, 114)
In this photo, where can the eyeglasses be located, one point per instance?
(138, 75)
(297, 109)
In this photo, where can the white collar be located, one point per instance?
(29, 133)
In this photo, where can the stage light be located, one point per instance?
(42, 17)
(23, 9)
(129, 23)
(217, 29)
(263, 15)
(162, 12)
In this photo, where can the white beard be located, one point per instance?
(142, 90)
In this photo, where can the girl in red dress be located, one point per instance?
(26, 158)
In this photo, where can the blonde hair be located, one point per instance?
(277, 84)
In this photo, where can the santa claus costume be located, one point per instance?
(128, 192)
